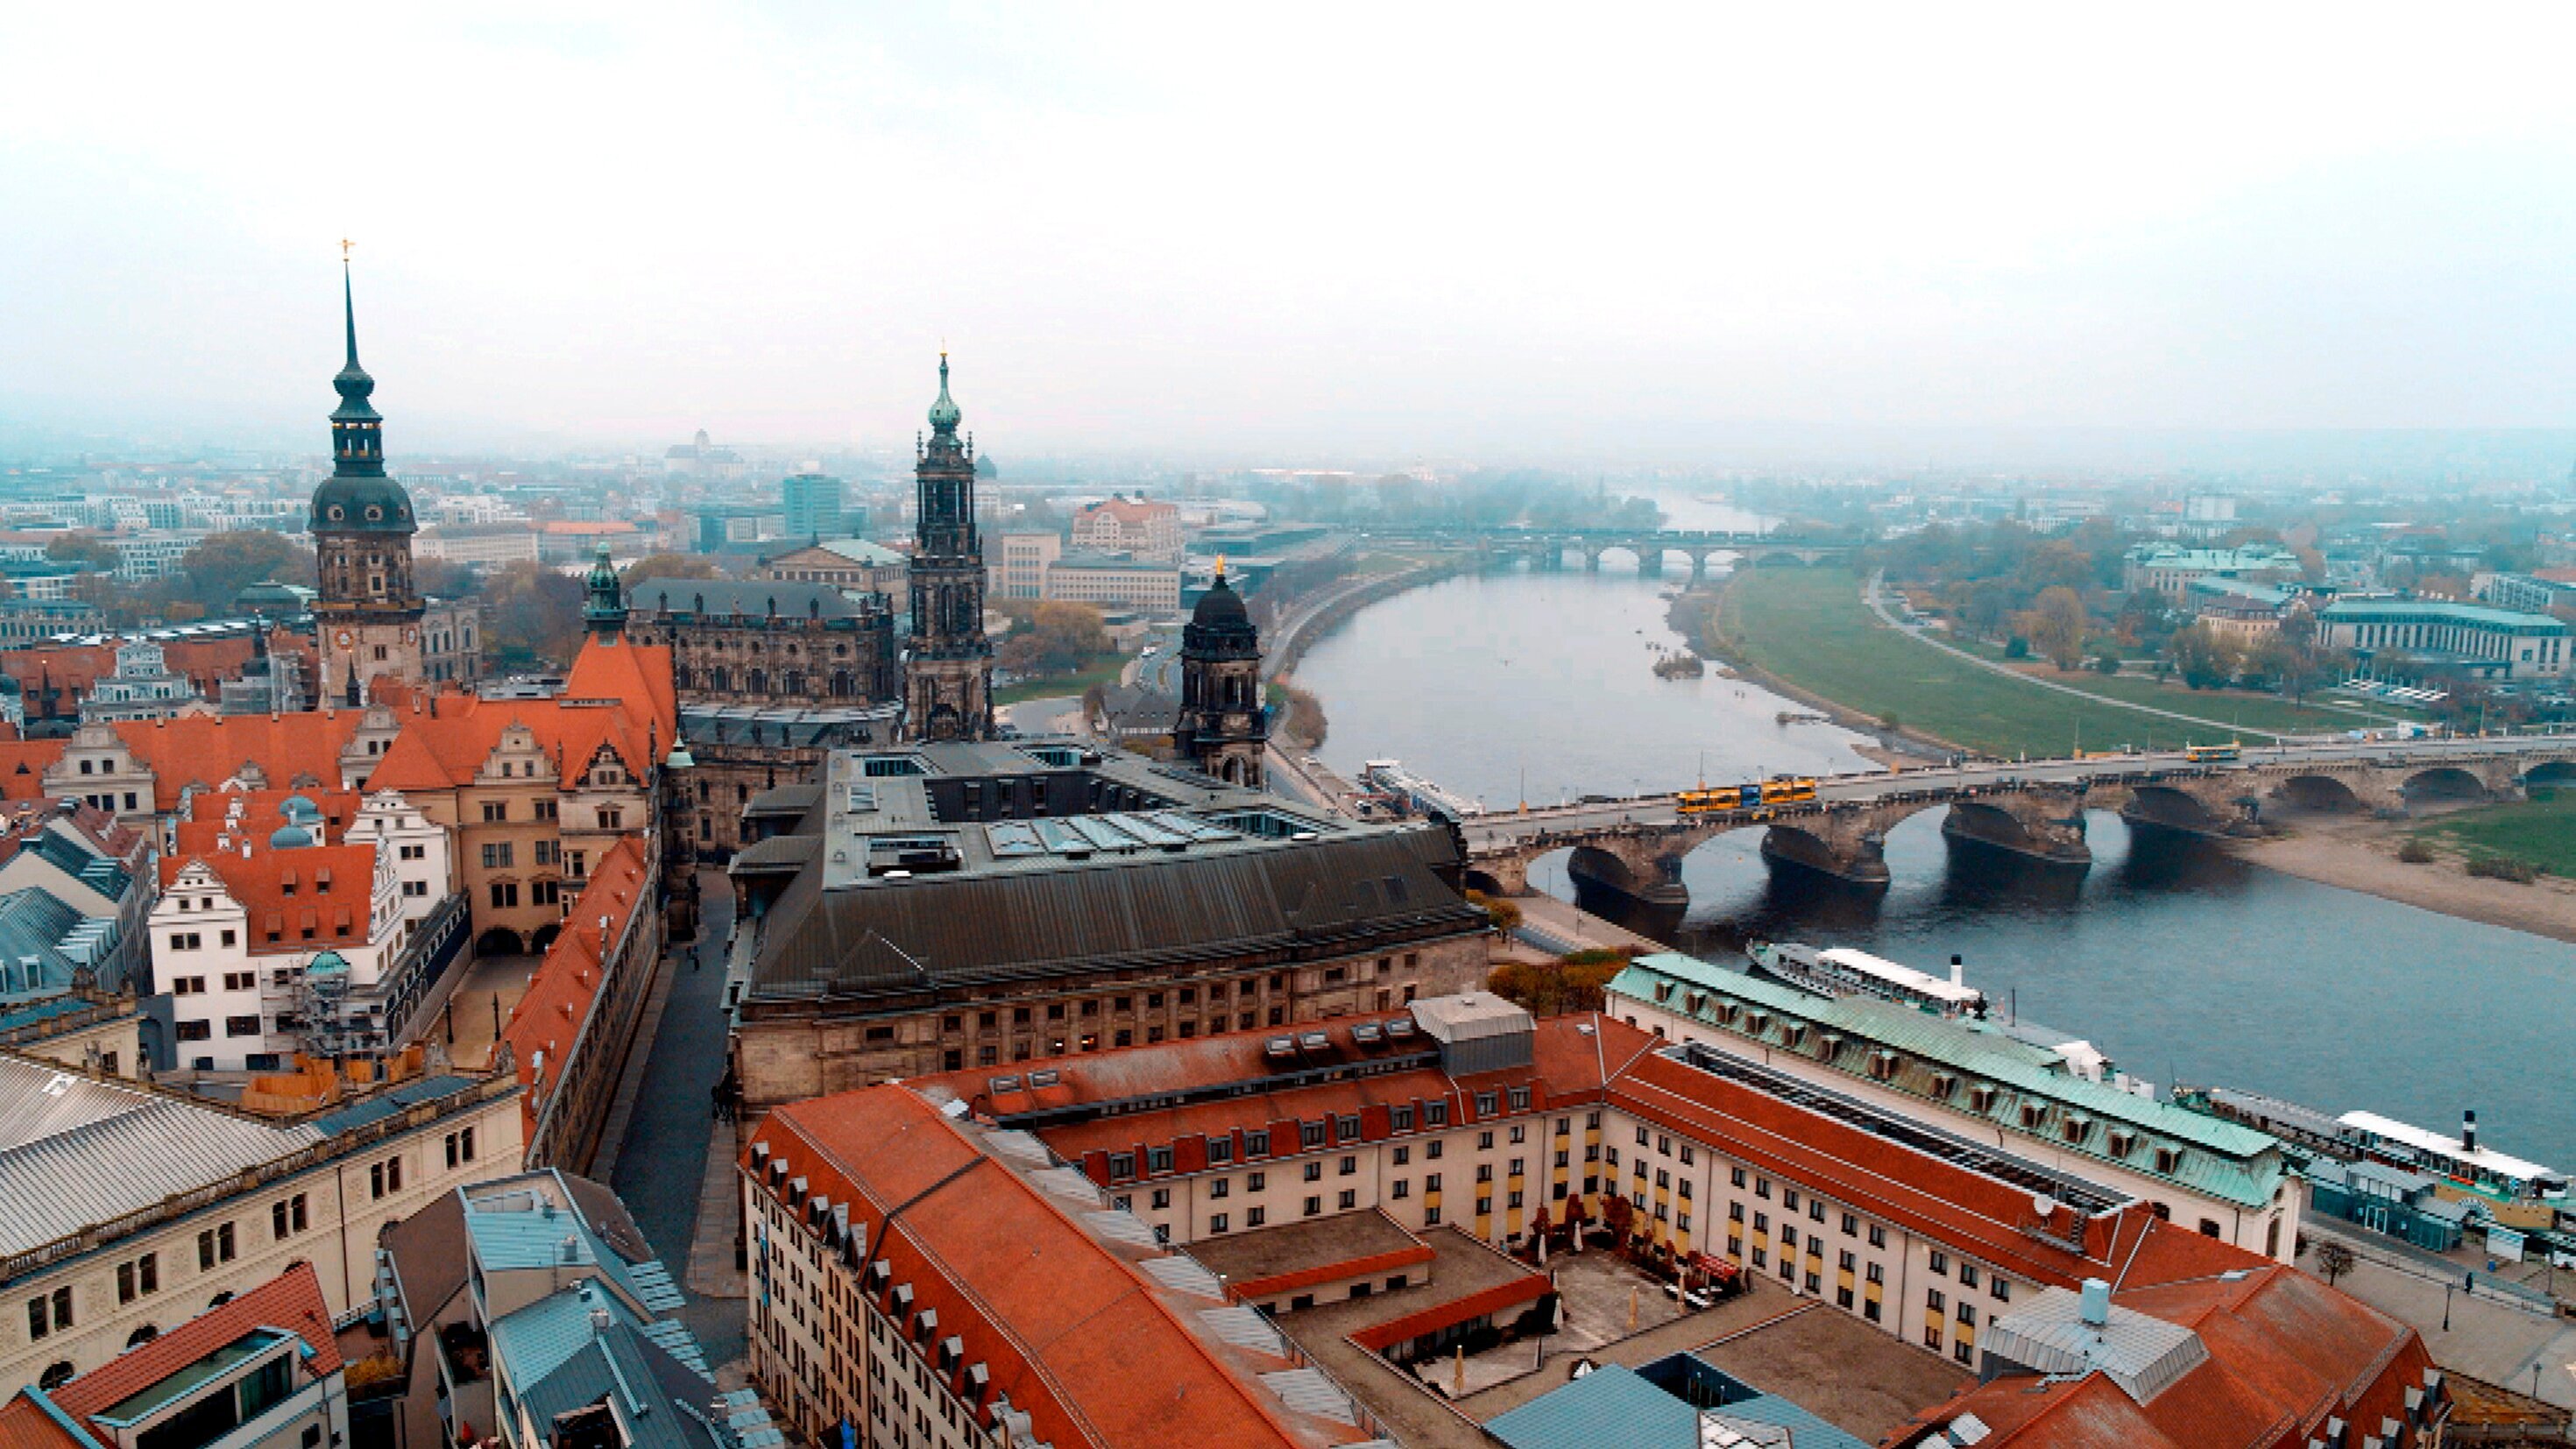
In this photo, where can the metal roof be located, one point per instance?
(76, 1151)
(2144, 1355)
(2218, 1158)
(1615, 1407)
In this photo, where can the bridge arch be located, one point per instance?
(2321, 793)
(1484, 882)
(2172, 808)
(1591, 862)
(2443, 782)
(2551, 772)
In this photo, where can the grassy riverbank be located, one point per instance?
(2541, 834)
(1101, 671)
(1809, 628)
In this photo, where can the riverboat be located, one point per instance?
(1414, 795)
(1841, 971)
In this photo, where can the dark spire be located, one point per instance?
(944, 415)
(357, 696)
(606, 611)
(357, 433)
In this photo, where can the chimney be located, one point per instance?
(1958, 973)
(2469, 1132)
(2093, 1306)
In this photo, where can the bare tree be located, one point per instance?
(2334, 1260)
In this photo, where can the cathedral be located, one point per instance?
(368, 615)
(948, 677)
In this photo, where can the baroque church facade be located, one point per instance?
(948, 677)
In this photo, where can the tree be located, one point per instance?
(1060, 638)
(672, 566)
(1504, 912)
(2206, 658)
(2334, 1260)
(531, 617)
(224, 564)
(2057, 626)
(82, 548)
(1552, 988)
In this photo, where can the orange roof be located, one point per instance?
(585, 527)
(75, 668)
(639, 675)
(2285, 1352)
(22, 767)
(298, 899)
(261, 815)
(549, 1018)
(1128, 510)
(1068, 1329)
(446, 744)
(207, 750)
(292, 1300)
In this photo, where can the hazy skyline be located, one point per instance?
(1390, 231)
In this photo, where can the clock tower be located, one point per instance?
(367, 614)
(948, 676)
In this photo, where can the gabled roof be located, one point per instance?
(639, 675)
(262, 813)
(550, 1016)
(447, 744)
(292, 1301)
(1128, 510)
(23, 764)
(207, 750)
(327, 891)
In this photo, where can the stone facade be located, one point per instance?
(1222, 728)
(769, 643)
(948, 683)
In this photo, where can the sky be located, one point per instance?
(1409, 231)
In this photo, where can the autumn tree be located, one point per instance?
(672, 566)
(531, 617)
(2205, 658)
(1552, 988)
(1060, 638)
(2057, 626)
(82, 548)
(224, 564)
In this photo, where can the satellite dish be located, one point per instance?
(2042, 1204)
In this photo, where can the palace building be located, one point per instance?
(948, 680)
(960, 905)
(769, 644)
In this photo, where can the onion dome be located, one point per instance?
(944, 415)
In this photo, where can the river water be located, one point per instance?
(2181, 961)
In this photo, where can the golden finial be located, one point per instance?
(345, 244)
(1220, 568)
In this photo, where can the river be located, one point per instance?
(2181, 961)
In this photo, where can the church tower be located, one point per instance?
(367, 614)
(948, 676)
(1221, 729)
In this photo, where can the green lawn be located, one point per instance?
(2541, 834)
(2254, 711)
(1809, 627)
(1101, 671)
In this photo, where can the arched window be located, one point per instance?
(56, 1374)
(755, 681)
(220, 1299)
(142, 1336)
(843, 684)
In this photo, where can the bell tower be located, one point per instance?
(1222, 728)
(948, 671)
(367, 613)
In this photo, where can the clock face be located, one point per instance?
(345, 638)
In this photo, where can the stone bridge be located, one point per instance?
(1548, 549)
(1637, 846)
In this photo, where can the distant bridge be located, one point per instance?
(2035, 808)
(1548, 548)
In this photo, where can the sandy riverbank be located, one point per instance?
(2361, 855)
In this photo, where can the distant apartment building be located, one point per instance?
(2476, 639)
(2244, 612)
(2528, 593)
(1150, 531)
(477, 545)
(1115, 581)
(2168, 569)
(1019, 566)
(812, 506)
(153, 553)
(738, 525)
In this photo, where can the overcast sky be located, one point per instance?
(1289, 230)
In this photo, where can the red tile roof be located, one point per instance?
(549, 1018)
(211, 815)
(299, 900)
(637, 675)
(1069, 1329)
(444, 745)
(74, 669)
(23, 764)
(291, 750)
(2285, 1353)
(292, 1301)
(1575, 1060)
(1129, 510)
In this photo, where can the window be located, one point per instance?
(1933, 1302)
(1484, 1142)
(1220, 1188)
(1877, 1236)
(1255, 1217)
(1400, 1119)
(1314, 1172)
(1122, 1165)
(1349, 1199)
(49, 1312)
(549, 852)
(496, 854)
(194, 1031)
(1314, 1205)
(1435, 1114)
(135, 1279)
(546, 810)
(1968, 1275)
(1403, 1155)
(610, 818)
(505, 894)
(1220, 1149)
(241, 1026)
(384, 1177)
(183, 940)
(1162, 1199)
(1216, 1223)
(1940, 1262)
(1350, 1166)
(215, 1245)
(1735, 1177)
(494, 812)
(241, 981)
(460, 1147)
(2001, 1290)
(1255, 1144)
(1255, 1181)
(1789, 1200)
(1402, 1189)
(286, 1216)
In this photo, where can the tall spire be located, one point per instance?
(944, 415)
(357, 433)
(606, 611)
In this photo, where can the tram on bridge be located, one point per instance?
(2213, 754)
(1718, 799)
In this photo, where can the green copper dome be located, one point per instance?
(944, 415)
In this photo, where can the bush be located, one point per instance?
(2415, 852)
(2107, 664)
(2017, 647)
(2503, 867)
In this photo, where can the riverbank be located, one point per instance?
(2357, 854)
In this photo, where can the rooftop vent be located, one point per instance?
(1281, 1046)
(2093, 1305)
(1047, 1078)
(1315, 1041)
